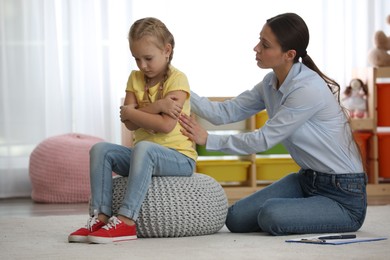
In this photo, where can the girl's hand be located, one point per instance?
(123, 110)
(192, 129)
(170, 106)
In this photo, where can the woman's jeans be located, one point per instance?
(139, 163)
(303, 202)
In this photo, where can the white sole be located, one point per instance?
(106, 240)
(78, 239)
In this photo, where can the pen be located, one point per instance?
(347, 236)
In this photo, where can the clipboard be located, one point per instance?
(334, 239)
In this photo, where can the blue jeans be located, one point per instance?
(303, 202)
(139, 163)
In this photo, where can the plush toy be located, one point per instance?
(355, 99)
(380, 55)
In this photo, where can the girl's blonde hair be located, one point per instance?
(151, 26)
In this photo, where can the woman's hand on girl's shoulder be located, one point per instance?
(192, 129)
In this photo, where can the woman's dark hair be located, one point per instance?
(292, 34)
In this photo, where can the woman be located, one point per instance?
(328, 194)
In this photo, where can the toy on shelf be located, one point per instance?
(379, 56)
(355, 99)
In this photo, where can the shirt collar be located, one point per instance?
(294, 71)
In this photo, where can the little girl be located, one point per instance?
(155, 97)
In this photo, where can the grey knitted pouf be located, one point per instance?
(178, 206)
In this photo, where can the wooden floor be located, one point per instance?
(27, 207)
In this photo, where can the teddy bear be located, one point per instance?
(380, 55)
(355, 99)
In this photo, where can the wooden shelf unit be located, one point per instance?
(238, 190)
(371, 76)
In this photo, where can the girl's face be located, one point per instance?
(269, 53)
(150, 59)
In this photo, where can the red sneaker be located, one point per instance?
(114, 231)
(81, 235)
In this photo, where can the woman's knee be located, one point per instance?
(271, 217)
(232, 221)
(239, 220)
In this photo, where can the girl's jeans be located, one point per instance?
(303, 202)
(139, 163)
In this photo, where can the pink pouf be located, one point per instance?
(59, 169)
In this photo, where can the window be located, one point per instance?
(64, 64)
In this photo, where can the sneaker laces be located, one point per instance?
(92, 220)
(112, 223)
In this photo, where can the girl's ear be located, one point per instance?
(290, 54)
(168, 50)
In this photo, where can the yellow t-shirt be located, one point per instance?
(177, 80)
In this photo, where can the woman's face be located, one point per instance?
(151, 60)
(269, 53)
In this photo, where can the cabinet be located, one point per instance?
(242, 175)
(372, 76)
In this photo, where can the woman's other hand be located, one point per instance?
(193, 130)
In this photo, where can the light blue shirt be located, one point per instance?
(303, 115)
